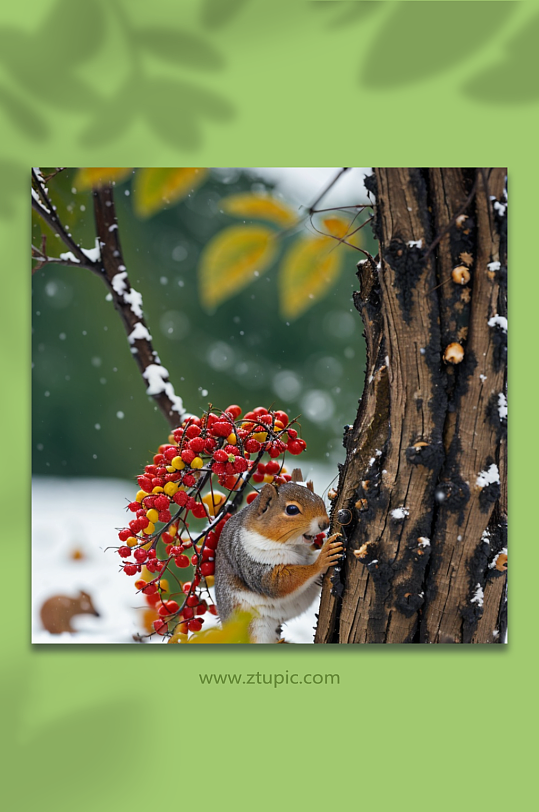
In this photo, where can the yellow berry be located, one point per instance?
(171, 439)
(210, 580)
(170, 488)
(198, 462)
(278, 425)
(213, 501)
(178, 463)
(157, 489)
(140, 496)
(268, 478)
(131, 541)
(232, 439)
(163, 584)
(150, 529)
(170, 469)
(152, 514)
(178, 637)
(172, 530)
(261, 436)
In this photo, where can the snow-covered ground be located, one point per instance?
(81, 515)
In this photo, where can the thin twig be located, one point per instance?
(330, 185)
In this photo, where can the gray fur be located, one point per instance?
(234, 568)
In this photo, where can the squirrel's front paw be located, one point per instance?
(331, 552)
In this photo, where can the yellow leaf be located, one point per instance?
(306, 274)
(233, 259)
(156, 188)
(91, 176)
(259, 207)
(235, 630)
(341, 226)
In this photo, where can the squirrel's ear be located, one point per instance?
(265, 498)
(310, 485)
(297, 476)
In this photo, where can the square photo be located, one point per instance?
(269, 405)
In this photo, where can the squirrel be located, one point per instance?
(266, 561)
(56, 612)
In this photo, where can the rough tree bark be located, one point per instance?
(422, 497)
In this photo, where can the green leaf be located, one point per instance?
(156, 188)
(232, 260)
(89, 177)
(306, 274)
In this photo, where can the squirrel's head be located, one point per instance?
(290, 512)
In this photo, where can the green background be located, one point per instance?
(293, 85)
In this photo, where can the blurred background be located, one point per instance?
(93, 422)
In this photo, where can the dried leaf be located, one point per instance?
(308, 270)
(259, 207)
(233, 259)
(157, 188)
(90, 177)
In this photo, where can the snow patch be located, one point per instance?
(400, 513)
(423, 541)
(134, 298)
(502, 406)
(489, 477)
(494, 266)
(478, 595)
(155, 374)
(415, 243)
(139, 332)
(118, 283)
(498, 321)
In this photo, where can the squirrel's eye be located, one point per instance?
(292, 510)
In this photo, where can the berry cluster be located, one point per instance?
(177, 488)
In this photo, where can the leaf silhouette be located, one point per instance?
(307, 272)
(156, 188)
(23, 115)
(59, 35)
(232, 260)
(259, 207)
(217, 13)
(350, 11)
(425, 39)
(181, 48)
(111, 117)
(174, 109)
(513, 80)
(59, 89)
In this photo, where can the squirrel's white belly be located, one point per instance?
(267, 551)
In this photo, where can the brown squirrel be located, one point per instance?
(56, 612)
(266, 562)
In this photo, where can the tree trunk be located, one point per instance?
(422, 497)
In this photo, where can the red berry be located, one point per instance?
(158, 458)
(266, 418)
(260, 410)
(186, 587)
(149, 502)
(218, 468)
(272, 467)
(181, 561)
(234, 411)
(140, 555)
(252, 445)
(258, 477)
(187, 612)
(188, 456)
(207, 568)
(199, 511)
(221, 428)
(202, 608)
(152, 600)
(160, 626)
(212, 609)
(144, 483)
(143, 522)
(130, 569)
(133, 506)
(211, 540)
(207, 553)
(251, 497)
(161, 502)
(192, 600)
(164, 516)
(180, 497)
(197, 445)
(192, 431)
(125, 552)
(168, 608)
(282, 417)
(152, 553)
(292, 433)
(189, 480)
(150, 589)
(195, 625)
(194, 559)
(123, 535)
(220, 455)
(294, 447)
